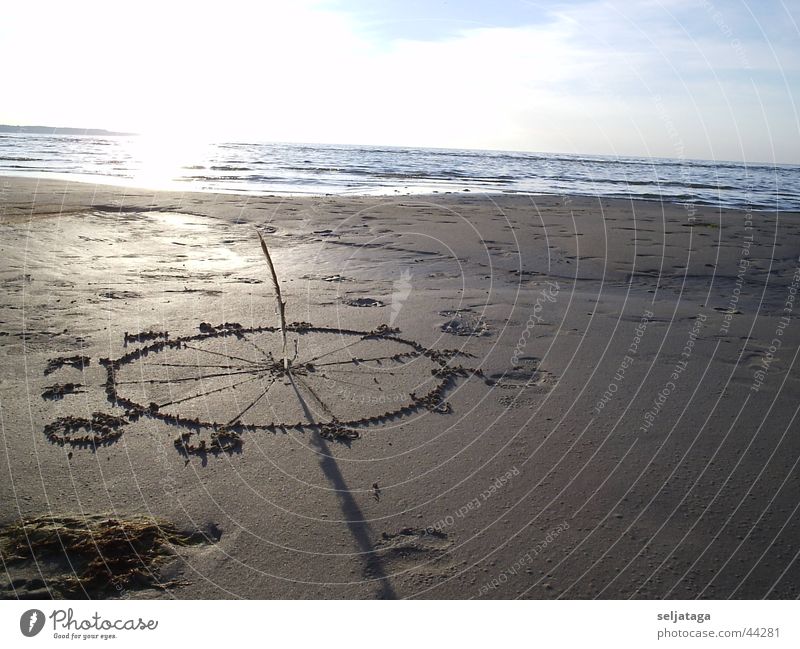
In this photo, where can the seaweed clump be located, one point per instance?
(78, 362)
(96, 556)
(60, 390)
(100, 430)
(145, 336)
(335, 432)
(222, 440)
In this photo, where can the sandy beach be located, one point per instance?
(524, 396)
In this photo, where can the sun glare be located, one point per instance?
(161, 159)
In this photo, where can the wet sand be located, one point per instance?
(617, 417)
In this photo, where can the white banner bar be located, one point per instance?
(401, 625)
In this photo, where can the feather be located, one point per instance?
(281, 303)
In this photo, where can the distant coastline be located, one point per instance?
(57, 130)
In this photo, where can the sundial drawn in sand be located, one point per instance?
(228, 379)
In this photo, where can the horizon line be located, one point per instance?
(102, 132)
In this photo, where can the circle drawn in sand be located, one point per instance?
(231, 379)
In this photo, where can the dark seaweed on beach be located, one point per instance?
(434, 403)
(444, 355)
(95, 556)
(222, 440)
(59, 390)
(100, 430)
(363, 302)
(299, 326)
(382, 331)
(78, 362)
(207, 328)
(334, 431)
(145, 336)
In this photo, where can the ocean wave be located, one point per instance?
(307, 168)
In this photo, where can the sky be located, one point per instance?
(709, 79)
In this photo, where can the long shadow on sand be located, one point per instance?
(352, 512)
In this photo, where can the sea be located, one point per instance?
(325, 169)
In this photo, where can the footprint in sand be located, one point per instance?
(411, 549)
(462, 324)
(527, 375)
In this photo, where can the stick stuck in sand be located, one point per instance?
(281, 303)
